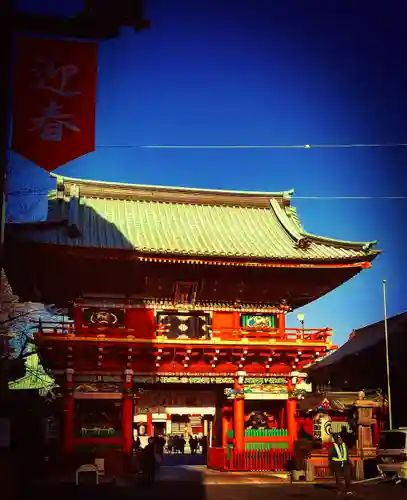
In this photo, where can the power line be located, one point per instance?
(294, 197)
(26, 193)
(272, 146)
(349, 197)
(252, 146)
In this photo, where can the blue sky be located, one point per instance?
(279, 72)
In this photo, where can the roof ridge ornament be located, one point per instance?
(74, 191)
(304, 243)
(287, 195)
(368, 246)
(73, 212)
(60, 188)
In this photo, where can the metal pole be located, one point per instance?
(386, 336)
(5, 88)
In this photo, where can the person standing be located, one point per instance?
(204, 445)
(136, 444)
(340, 464)
(181, 445)
(193, 445)
(150, 461)
(170, 445)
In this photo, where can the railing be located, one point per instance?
(262, 433)
(263, 439)
(274, 459)
(274, 334)
(266, 433)
(55, 329)
(243, 335)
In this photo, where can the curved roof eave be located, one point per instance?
(298, 234)
(324, 239)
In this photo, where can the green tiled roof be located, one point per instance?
(185, 222)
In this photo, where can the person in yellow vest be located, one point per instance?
(341, 464)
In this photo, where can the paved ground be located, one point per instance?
(178, 459)
(199, 483)
(187, 475)
(194, 490)
(203, 475)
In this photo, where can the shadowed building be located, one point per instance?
(361, 363)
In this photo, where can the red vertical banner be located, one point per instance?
(54, 100)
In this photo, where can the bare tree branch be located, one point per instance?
(14, 318)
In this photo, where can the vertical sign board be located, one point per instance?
(54, 100)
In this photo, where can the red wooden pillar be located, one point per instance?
(236, 321)
(291, 411)
(282, 418)
(281, 322)
(226, 424)
(149, 424)
(239, 423)
(69, 412)
(238, 420)
(292, 422)
(78, 317)
(127, 412)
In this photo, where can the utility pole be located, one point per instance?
(386, 339)
(6, 51)
(100, 20)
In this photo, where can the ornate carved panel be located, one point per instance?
(184, 325)
(258, 321)
(104, 317)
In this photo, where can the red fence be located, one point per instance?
(274, 459)
(217, 459)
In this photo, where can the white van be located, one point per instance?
(392, 453)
